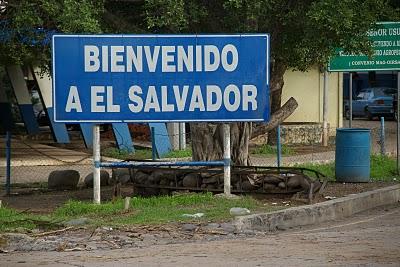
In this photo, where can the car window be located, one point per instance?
(361, 95)
(384, 91)
(389, 91)
(368, 95)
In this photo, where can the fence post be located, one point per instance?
(227, 159)
(8, 164)
(382, 136)
(278, 146)
(153, 144)
(96, 164)
(182, 137)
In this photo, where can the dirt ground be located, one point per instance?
(39, 200)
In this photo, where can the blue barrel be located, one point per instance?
(352, 157)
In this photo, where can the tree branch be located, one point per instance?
(277, 118)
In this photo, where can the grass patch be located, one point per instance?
(154, 210)
(140, 153)
(11, 220)
(185, 153)
(269, 150)
(383, 168)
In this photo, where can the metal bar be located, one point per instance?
(398, 124)
(8, 165)
(258, 191)
(382, 136)
(279, 147)
(96, 164)
(325, 111)
(161, 164)
(350, 99)
(153, 143)
(227, 159)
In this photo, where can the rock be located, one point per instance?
(64, 179)
(140, 177)
(124, 179)
(269, 187)
(77, 222)
(210, 180)
(156, 176)
(104, 177)
(298, 181)
(121, 175)
(236, 211)
(189, 227)
(212, 226)
(191, 180)
(282, 185)
(227, 227)
(273, 179)
(247, 186)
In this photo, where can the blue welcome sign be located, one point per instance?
(160, 78)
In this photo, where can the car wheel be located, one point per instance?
(369, 115)
(347, 114)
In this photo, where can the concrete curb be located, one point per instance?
(320, 212)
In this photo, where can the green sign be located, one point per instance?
(386, 46)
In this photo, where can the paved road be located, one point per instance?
(367, 239)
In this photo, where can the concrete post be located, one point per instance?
(96, 164)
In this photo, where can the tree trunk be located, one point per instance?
(207, 138)
(207, 142)
(276, 85)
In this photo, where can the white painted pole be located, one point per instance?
(325, 111)
(96, 164)
(182, 136)
(227, 159)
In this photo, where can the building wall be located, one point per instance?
(307, 89)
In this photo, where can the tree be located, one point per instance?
(26, 26)
(303, 34)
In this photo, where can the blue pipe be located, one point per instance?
(153, 143)
(8, 164)
(161, 164)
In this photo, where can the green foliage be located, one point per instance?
(11, 219)
(272, 150)
(22, 20)
(179, 153)
(116, 153)
(383, 168)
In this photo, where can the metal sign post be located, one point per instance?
(227, 159)
(350, 99)
(96, 164)
(398, 124)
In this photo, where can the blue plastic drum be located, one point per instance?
(352, 157)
